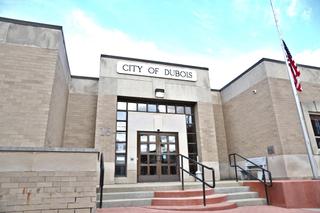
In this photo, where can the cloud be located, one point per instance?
(86, 40)
(292, 9)
(306, 14)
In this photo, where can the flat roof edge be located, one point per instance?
(152, 61)
(30, 23)
(84, 77)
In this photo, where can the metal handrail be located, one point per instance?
(202, 179)
(101, 183)
(264, 180)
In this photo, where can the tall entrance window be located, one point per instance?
(157, 156)
(126, 105)
(315, 120)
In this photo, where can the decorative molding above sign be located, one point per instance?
(156, 70)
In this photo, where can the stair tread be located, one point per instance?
(215, 206)
(247, 199)
(189, 198)
(126, 199)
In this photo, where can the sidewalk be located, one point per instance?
(247, 209)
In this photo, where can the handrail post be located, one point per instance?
(203, 187)
(265, 187)
(235, 167)
(182, 171)
(101, 178)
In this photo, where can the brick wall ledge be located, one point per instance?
(48, 149)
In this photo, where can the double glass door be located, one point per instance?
(157, 156)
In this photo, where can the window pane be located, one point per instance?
(143, 147)
(143, 170)
(163, 139)
(188, 119)
(192, 138)
(121, 126)
(144, 138)
(192, 148)
(172, 148)
(120, 148)
(132, 106)
(171, 109)
(142, 107)
(164, 148)
(172, 139)
(120, 171)
(121, 116)
(144, 159)
(122, 105)
(120, 160)
(152, 159)
(152, 148)
(188, 110)
(121, 137)
(152, 138)
(162, 108)
(164, 170)
(164, 159)
(318, 142)
(153, 170)
(173, 170)
(152, 108)
(316, 126)
(180, 109)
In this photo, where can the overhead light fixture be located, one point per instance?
(159, 93)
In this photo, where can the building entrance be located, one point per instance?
(157, 154)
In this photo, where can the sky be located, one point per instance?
(227, 36)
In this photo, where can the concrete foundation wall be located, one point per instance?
(29, 183)
(81, 115)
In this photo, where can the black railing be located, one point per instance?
(101, 179)
(202, 179)
(266, 181)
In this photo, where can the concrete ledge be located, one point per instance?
(47, 149)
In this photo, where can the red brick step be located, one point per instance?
(208, 207)
(185, 193)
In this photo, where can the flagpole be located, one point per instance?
(313, 164)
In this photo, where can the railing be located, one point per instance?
(101, 179)
(267, 182)
(202, 179)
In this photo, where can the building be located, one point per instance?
(141, 114)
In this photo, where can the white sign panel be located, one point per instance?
(156, 70)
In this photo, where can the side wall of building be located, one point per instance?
(81, 113)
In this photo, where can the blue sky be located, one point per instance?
(228, 36)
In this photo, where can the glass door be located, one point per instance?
(157, 152)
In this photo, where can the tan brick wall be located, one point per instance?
(35, 188)
(221, 138)
(58, 107)
(26, 79)
(250, 122)
(80, 121)
(206, 135)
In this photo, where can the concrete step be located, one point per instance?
(227, 190)
(126, 202)
(126, 195)
(161, 186)
(242, 195)
(249, 202)
(184, 201)
(208, 207)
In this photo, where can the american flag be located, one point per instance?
(293, 67)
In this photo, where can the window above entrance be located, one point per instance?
(126, 105)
